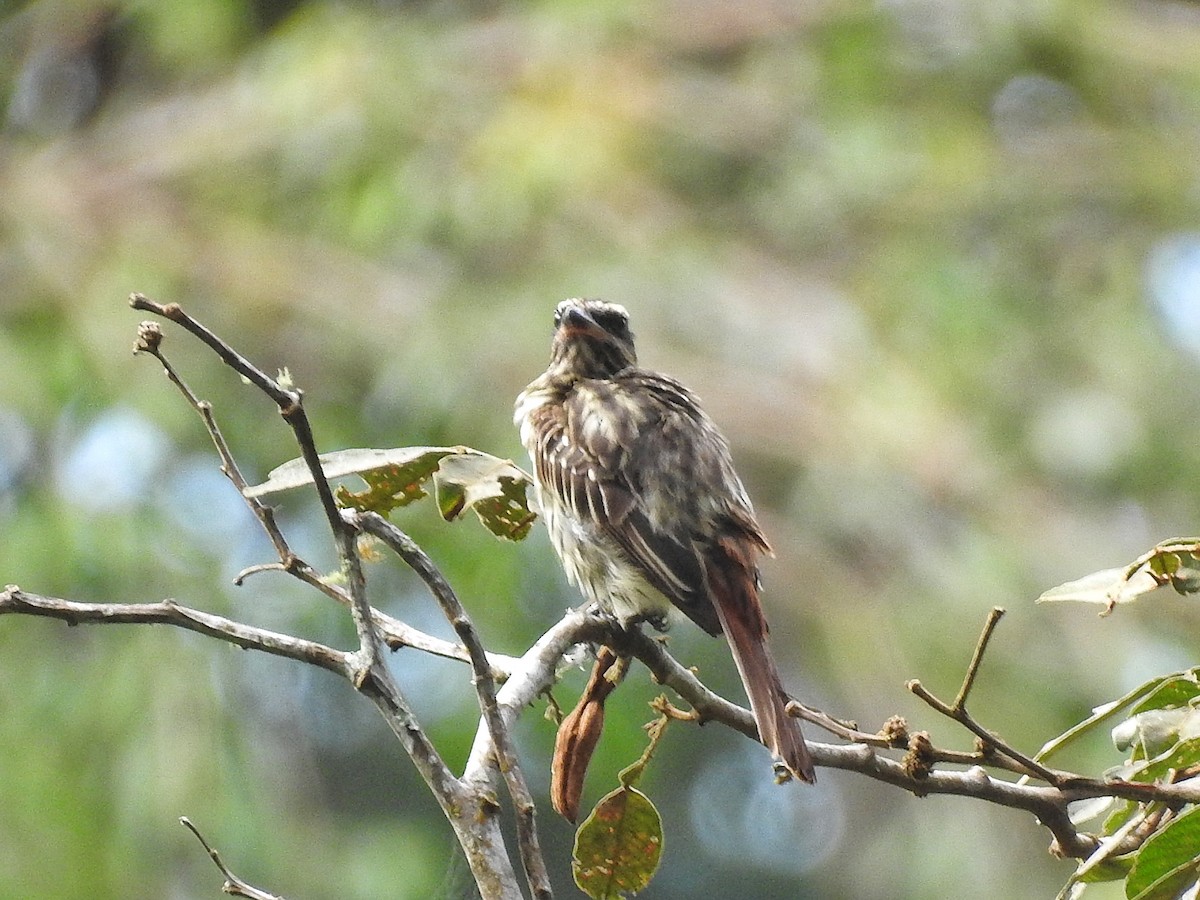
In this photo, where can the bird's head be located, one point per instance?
(592, 339)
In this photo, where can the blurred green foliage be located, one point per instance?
(932, 266)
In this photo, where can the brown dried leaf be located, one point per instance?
(577, 738)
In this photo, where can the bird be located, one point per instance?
(638, 492)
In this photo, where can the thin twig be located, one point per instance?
(895, 735)
(994, 616)
(149, 341)
(233, 885)
(291, 406)
(396, 634)
(1028, 765)
(256, 569)
(174, 312)
(837, 728)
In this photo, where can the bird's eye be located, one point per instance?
(614, 321)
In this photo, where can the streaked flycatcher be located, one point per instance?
(639, 494)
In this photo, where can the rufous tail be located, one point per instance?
(733, 583)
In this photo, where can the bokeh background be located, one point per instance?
(933, 266)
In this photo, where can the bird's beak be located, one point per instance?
(576, 321)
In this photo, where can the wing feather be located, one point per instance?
(627, 456)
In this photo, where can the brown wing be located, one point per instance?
(637, 459)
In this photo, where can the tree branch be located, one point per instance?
(989, 627)
(168, 612)
(395, 633)
(291, 407)
(505, 754)
(958, 710)
(534, 674)
(470, 814)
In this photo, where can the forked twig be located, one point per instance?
(958, 709)
(371, 675)
(505, 753)
(291, 407)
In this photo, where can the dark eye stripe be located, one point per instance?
(612, 322)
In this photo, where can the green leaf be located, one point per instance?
(1120, 816)
(1183, 754)
(1107, 870)
(463, 478)
(618, 847)
(1102, 714)
(1177, 689)
(1168, 863)
(1165, 564)
(1175, 561)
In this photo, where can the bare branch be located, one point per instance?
(532, 675)
(958, 710)
(233, 885)
(506, 759)
(168, 612)
(150, 339)
(291, 407)
(174, 313)
(478, 833)
(396, 634)
(470, 814)
(535, 673)
(847, 731)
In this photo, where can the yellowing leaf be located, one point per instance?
(392, 485)
(417, 462)
(618, 847)
(493, 487)
(463, 478)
